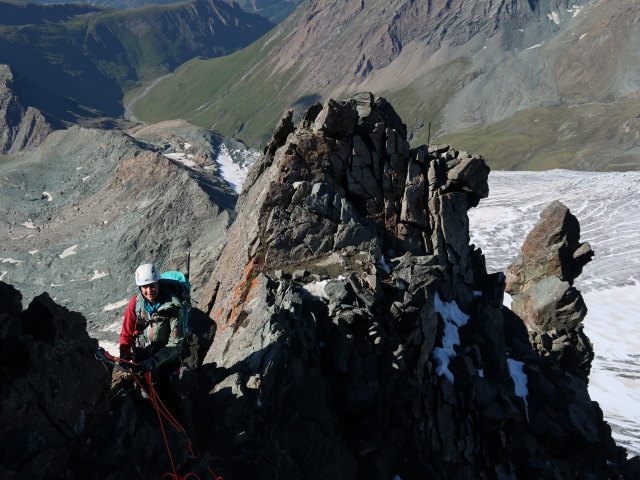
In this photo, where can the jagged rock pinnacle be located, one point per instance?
(353, 316)
(540, 281)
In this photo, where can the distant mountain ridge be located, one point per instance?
(274, 10)
(74, 66)
(22, 13)
(463, 66)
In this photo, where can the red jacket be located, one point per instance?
(127, 336)
(161, 337)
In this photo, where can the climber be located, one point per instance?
(152, 334)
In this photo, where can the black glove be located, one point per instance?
(146, 365)
(125, 353)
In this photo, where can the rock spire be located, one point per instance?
(358, 332)
(540, 281)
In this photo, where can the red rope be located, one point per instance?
(162, 411)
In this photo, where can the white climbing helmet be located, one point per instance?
(146, 274)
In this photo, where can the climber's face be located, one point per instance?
(150, 292)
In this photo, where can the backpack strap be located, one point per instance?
(142, 316)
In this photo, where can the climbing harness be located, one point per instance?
(161, 411)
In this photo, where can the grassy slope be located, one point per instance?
(203, 92)
(572, 137)
(424, 99)
(575, 137)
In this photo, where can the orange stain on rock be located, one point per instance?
(241, 295)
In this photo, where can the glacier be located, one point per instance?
(607, 204)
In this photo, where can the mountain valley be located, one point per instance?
(531, 76)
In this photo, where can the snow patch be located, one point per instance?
(614, 382)
(114, 306)
(454, 318)
(2, 274)
(182, 158)
(534, 46)
(575, 10)
(68, 251)
(33, 252)
(554, 17)
(13, 261)
(112, 347)
(233, 173)
(47, 195)
(97, 275)
(582, 36)
(317, 289)
(519, 379)
(28, 224)
(87, 178)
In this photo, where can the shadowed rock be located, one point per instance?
(52, 390)
(20, 127)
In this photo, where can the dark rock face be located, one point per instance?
(541, 282)
(359, 334)
(52, 391)
(58, 417)
(20, 127)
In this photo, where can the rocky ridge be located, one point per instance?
(353, 315)
(358, 333)
(89, 205)
(20, 127)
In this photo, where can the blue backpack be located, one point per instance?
(178, 284)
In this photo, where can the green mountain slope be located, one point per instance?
(597, 136)
(468, 68)
(92, 60)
